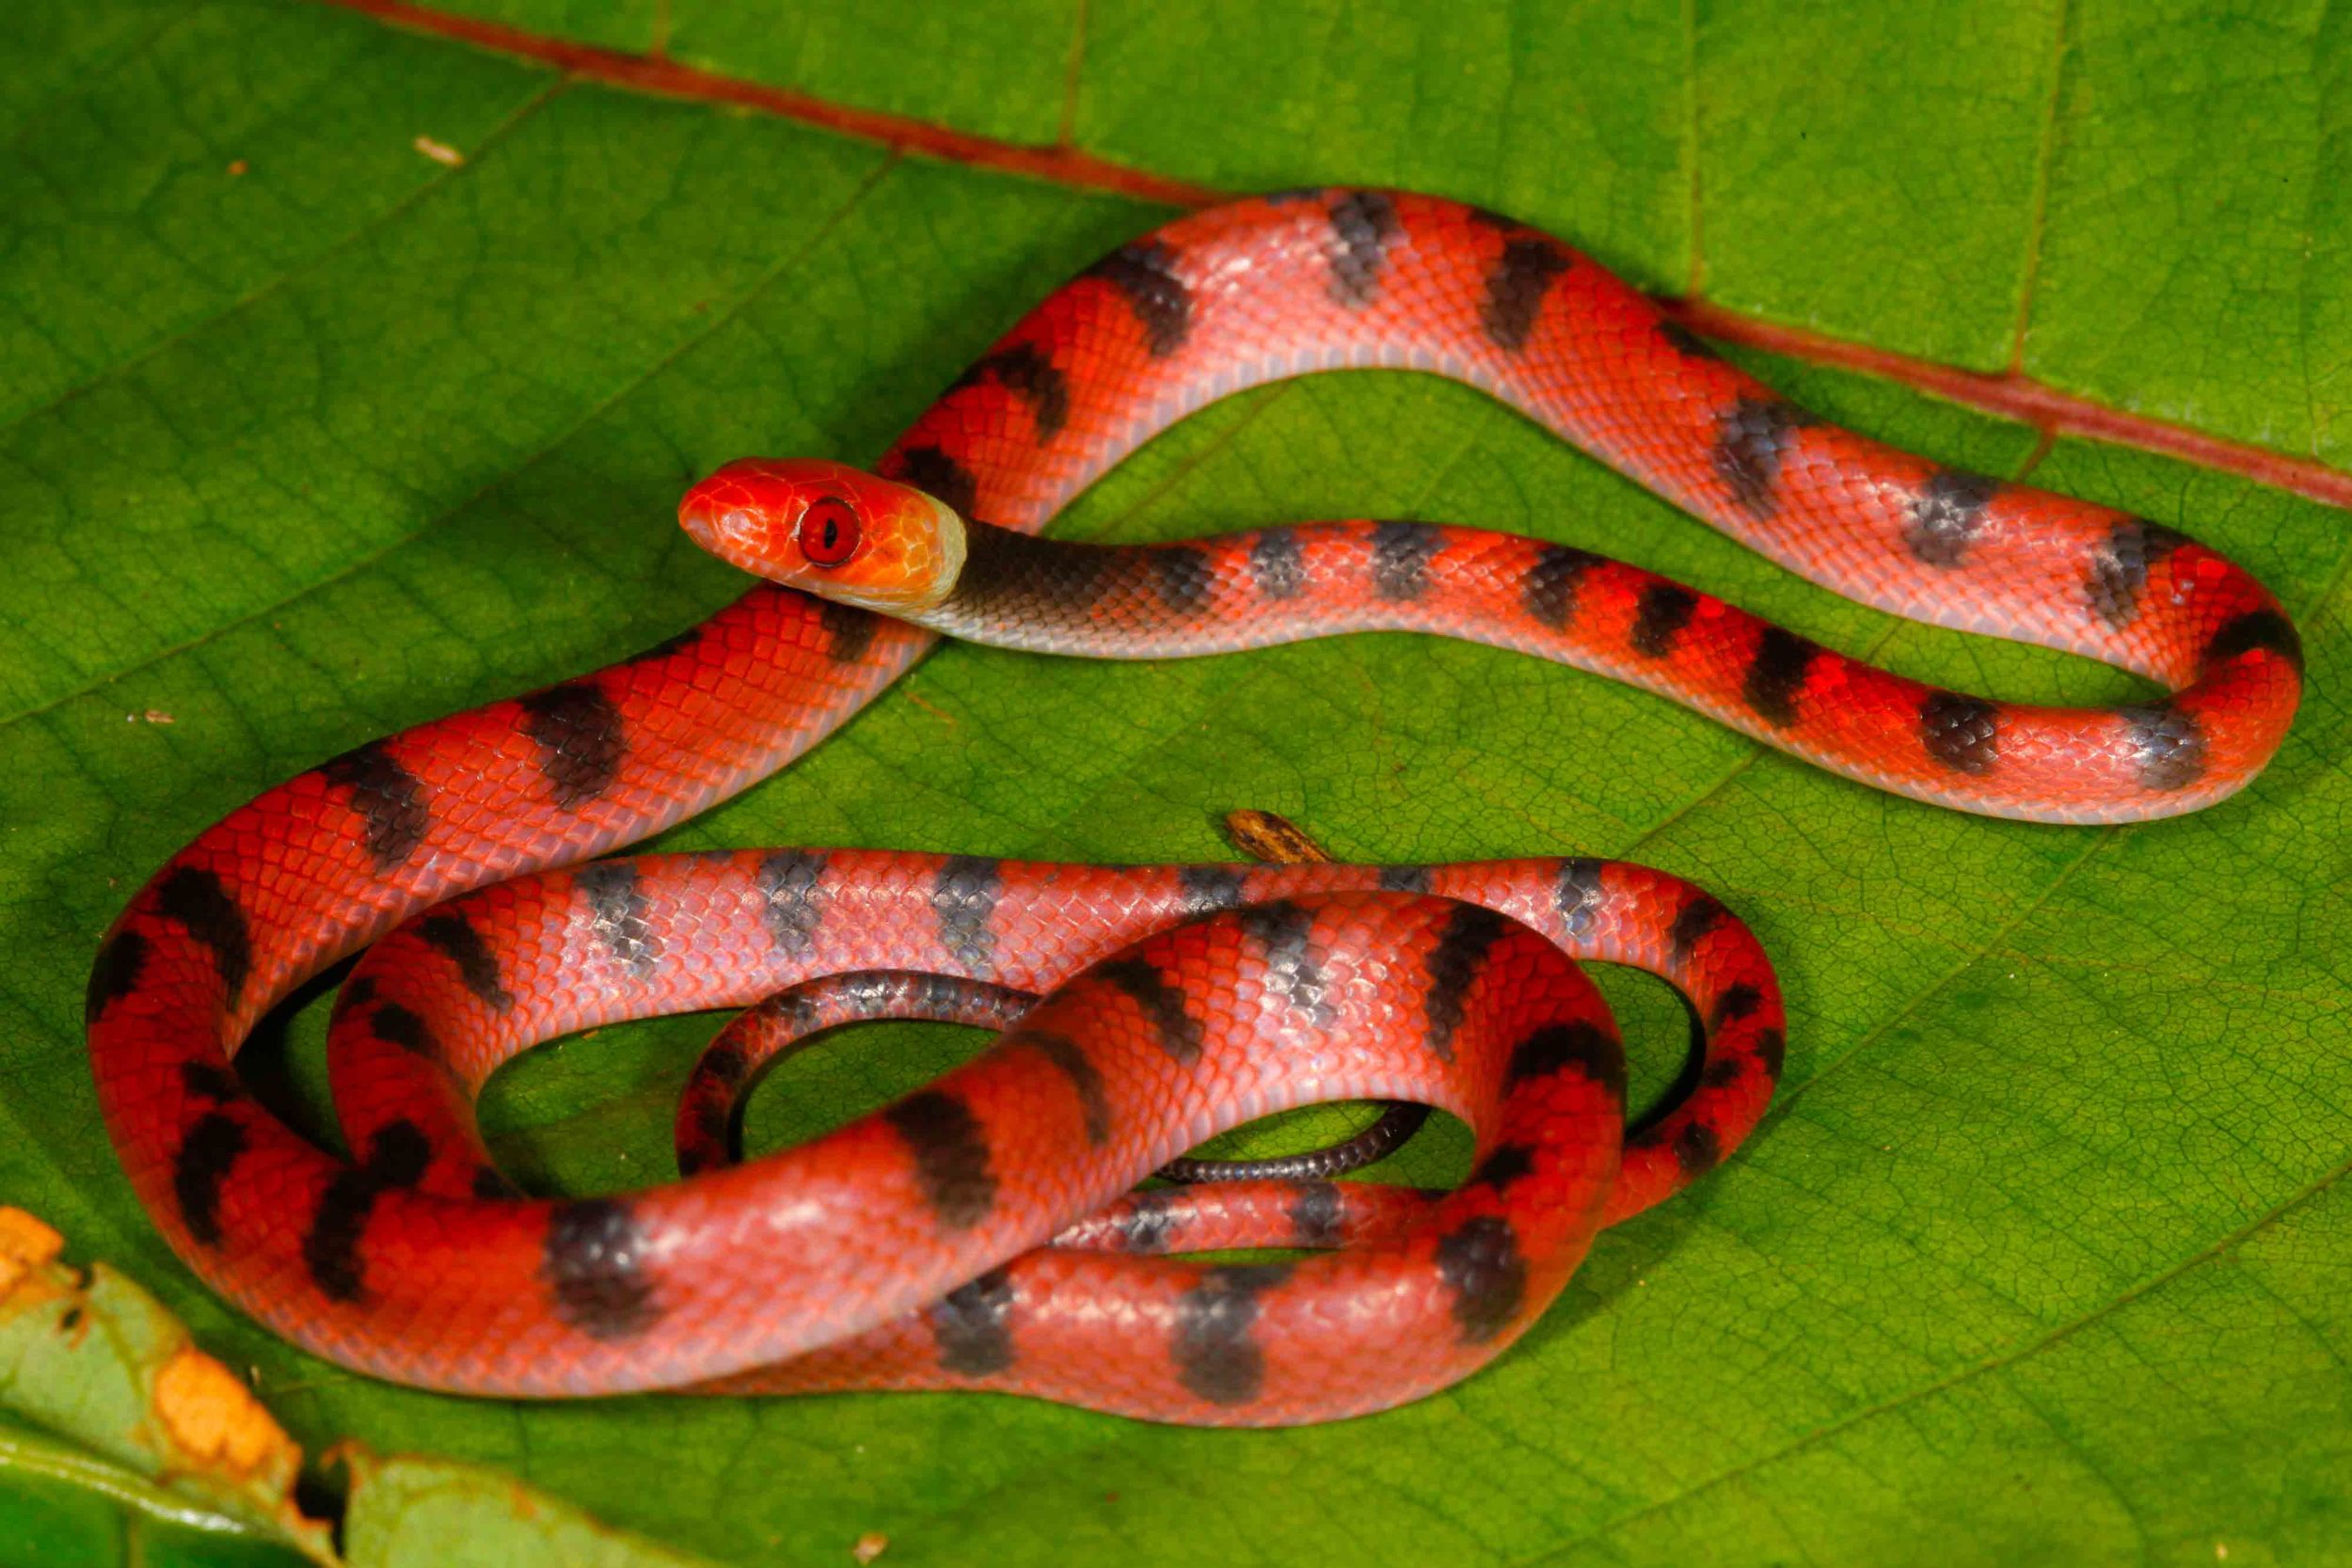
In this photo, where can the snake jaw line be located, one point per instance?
(953, 541)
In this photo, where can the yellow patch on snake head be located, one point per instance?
(831, 530)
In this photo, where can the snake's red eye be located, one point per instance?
(829, 531)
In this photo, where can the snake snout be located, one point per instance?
(717, 514)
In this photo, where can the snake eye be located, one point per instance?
(829, 531)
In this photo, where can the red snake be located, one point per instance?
(910, 1248)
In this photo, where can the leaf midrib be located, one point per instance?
(2014, 395)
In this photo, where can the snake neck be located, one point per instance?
(1052, 595)
(1248, 590)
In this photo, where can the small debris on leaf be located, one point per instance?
(237, 167)
(1276, 840)
(869, 1547)
(440, 152)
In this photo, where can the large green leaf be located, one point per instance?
(2041, 1255)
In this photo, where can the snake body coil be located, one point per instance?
(911, 1248)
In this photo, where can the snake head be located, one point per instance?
(832, 529)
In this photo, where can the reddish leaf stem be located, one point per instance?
(2024, 400)
(668, 78)
(2010, 395)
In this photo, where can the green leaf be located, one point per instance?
(130, 1419)
(58, 1504)
(408, 1512)
(169, 1429)
(2040, 1256)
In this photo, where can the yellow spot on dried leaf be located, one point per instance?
(869, 1547)
(1276, 840)
(25, 1244)
(213, 1417)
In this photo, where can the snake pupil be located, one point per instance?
(829, 531)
